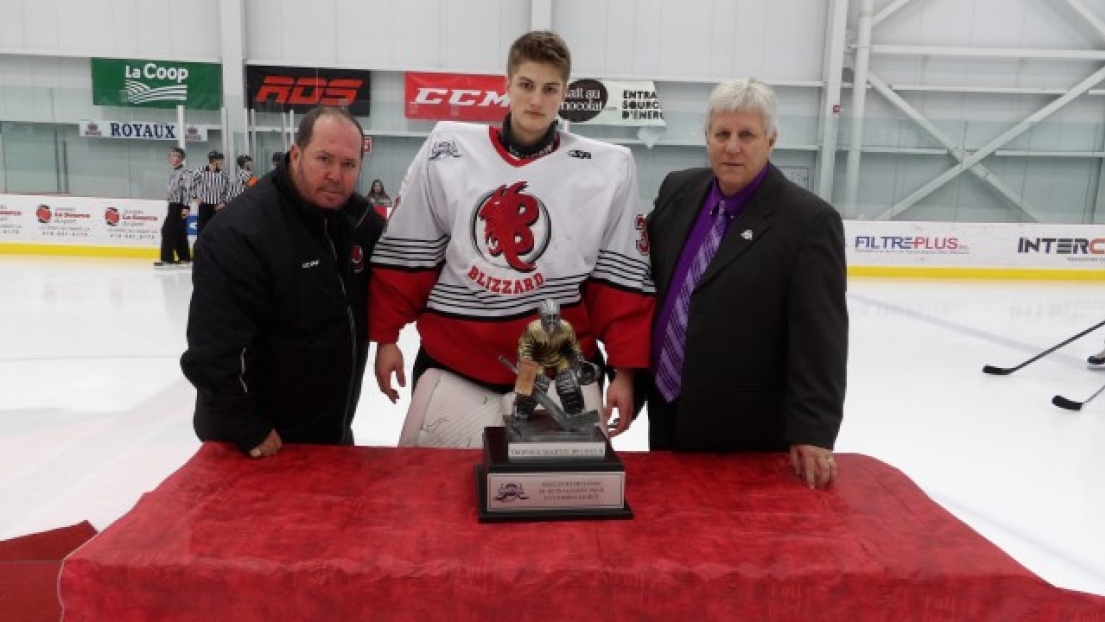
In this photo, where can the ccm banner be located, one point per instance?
(455, 97)
(156, 84)
(279, 89)
(483, 98)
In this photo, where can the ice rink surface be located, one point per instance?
(94, 410)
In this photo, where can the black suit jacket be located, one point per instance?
(765, 363)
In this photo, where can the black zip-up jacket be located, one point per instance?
(276, 326)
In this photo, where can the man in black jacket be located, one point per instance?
(276, 328)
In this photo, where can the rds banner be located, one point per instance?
(278, 89)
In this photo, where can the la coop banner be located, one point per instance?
(455, 97)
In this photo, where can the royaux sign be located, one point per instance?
(140, 130)
(156, 84)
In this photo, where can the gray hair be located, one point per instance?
(745, 95)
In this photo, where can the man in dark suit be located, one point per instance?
(750, 343)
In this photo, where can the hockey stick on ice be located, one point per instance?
(1063, 402)
(1003, 371)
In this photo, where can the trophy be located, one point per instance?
(551, 458)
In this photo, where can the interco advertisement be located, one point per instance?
(279, 89)
(974, 245)
(80, 221)
(483, 98)
(156, 84)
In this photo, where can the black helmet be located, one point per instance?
(242, 159)
(214, 155)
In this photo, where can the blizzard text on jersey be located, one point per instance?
(505, 286)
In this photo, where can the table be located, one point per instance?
(375, 533)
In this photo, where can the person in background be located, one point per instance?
(750, 343)
(277, 159)
(209, 186)
(277, 343)
(174, 231)
(244, 179)
(378, 198)
(495, 220)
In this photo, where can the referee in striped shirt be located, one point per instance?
(244, 179)
(210, 187)
(174, 229)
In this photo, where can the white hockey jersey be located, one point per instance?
(478, 238)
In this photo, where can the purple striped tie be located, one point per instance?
(669, 368)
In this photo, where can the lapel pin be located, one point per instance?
(747, 234)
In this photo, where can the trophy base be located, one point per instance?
(487, 515)
(537, 490)
(540, 437)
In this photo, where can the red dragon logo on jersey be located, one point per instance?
(515, 226)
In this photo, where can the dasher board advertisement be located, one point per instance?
(80, 221)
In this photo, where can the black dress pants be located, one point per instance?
(174, 235)
(206, 213)
(662, 415)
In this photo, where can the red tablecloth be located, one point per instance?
(29, 567)
(364, 533)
